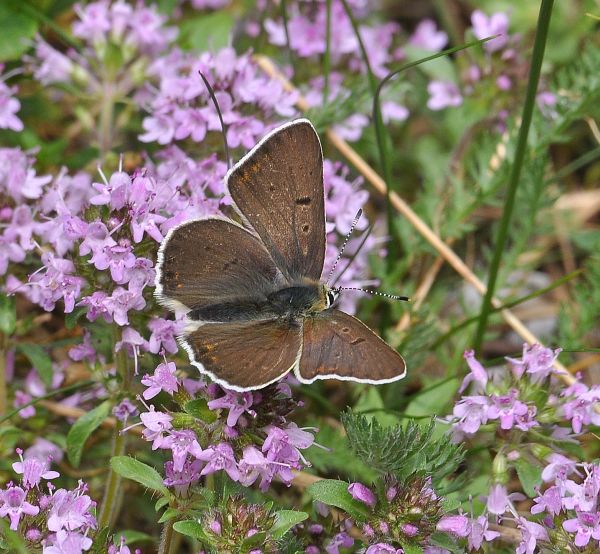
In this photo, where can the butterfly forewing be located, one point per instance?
(339, 346)
(206, 261)
(278, 188)
(246, 355)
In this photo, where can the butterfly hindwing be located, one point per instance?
(206, 261)
(339, 346)
(278, 188)
(245, 355)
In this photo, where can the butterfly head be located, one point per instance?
(331, 295)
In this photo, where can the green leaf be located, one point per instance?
(253, 541)
(16, 30)
(39, 359)
(137, 471)
(82, 429)
(72, 318)
(335, 493)
(200, 410)
(285, 520)
(433, 400)
(412, 549)
(191, 528)
(530, 476)
(100, 540)
(131, 536)
(8, 314)
(168, 514)
(206, 32)
(10, 541)
(161, 503)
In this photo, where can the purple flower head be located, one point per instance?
(14, 505)
(84, 350)
(584, 496)
(362, 493)
(182, 479)
(478, 375)
(550, 501)
(9, 106)
(163, 380)
(484, 27)
(33, 470)
(471, 412)
(443, 94)
(253, 465)
(69, 510)
(44, 450)
(456, 525)
(155, 423)
(124, 409)
(163, 335)
(428, 37)
(582, 409)
(586, 526)
(341, 540)
(507, 409)
(21, 399)
(530, 533)
(237, 403)
(479, 532)
(68, 542)
(537, 360)
(182, 443)
(499, 500)
(121, 302)
(18, 178)
(219, 458)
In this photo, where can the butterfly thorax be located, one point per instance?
(292, 302)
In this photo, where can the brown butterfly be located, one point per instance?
(255, 304)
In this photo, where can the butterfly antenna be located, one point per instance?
(376, 293)
(363, 241)
(211, 92)
(354, 224)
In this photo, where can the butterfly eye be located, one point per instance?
(331, 297)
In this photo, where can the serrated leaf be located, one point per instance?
(8, 314)
(200, 410)
(412, 549)
(530, 476)
(39, 359)
(82, 429)
(191, 528)
(335, 493)
(137, 471)
(285, 520)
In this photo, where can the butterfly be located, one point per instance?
(255, 305)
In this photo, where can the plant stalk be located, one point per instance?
(539, 46)
(165, 538)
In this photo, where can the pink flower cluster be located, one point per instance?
(229, 443)
(510, 400)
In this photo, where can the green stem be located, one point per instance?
(3, 392)
(166, 537)
(521, 149)
(105, 125)
(109, 509)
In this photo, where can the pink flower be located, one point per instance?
(484, 27)
(33, 470)
(455, 525)
(9, 107)
(443, 94)
(163, 380)
(586, 525)
(219, 458)
(428, 37)
(478, 374)
(14, 505)
(362, 493)
(69, 510)
(530, 533)
(237, 404)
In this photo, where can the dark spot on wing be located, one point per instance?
(305, 228)
(303, 200)
(357, 341)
